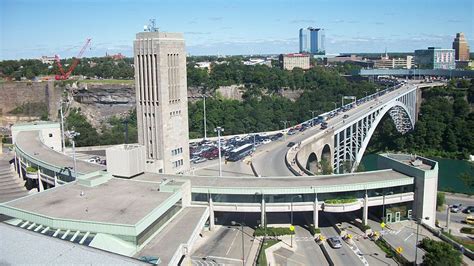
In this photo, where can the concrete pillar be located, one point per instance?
(315, 213)
(40, 184)
(211, 214)
(262, 215)
(365, 213)
(16, 163)
(20, 169)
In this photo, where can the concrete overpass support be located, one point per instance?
(365, 211)
(262, 215)
(211, 214)
(315, 213)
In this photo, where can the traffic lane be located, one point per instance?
(307, 246)
(225, 245)
(371, 252)
(343, 255)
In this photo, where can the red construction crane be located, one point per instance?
(65, 75)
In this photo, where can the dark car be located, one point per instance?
(290, 144)
(345, 116)
(468, 209)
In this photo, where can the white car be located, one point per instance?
(266, 141)
(456, 207)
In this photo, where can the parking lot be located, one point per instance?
(458, 215)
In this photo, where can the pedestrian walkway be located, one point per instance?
(11, 186)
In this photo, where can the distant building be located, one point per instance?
(461, 47)
(312, 40)
(162, 100)
(290, 61)
(258, 61)
(354, 59)
(391, 63)
(47, 59)
(118, 56)
(435, 58)
(204, 64)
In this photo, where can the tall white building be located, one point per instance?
(162, 103)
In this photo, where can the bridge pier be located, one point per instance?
(262, 213)
(315, 213)
(211, 214)
(365, 211)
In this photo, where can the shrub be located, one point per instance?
(467, 230)
(365, 227)
(440, 199)
(273, 231)
(339, 201)
(440, 253)
(31, 169)
(314, 230)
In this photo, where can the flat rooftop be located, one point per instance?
(30, 143)
(282, 182)
(117, 201)
(165, 243)
(412, 160)
(45, 250)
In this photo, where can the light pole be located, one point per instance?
(312, 117)
(418, 221)
(243, 243)
(285, 122)
(205, 124)
(335, 105)
(219, 130)
(62, 127)
(71, 134)
(291, 216)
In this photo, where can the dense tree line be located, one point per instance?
(445, 126)
(97, 67)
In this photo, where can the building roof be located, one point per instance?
(45, 250)
(328, 183)
(296, 55)
(118, 201)
(165, 243)
(30, 143)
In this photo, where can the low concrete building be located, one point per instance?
(290, 61)
(390, 63)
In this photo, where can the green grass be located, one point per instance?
(31, 169)
(262, 259)
(467, 230)
(273, 231)
(467, 243)
(108, 81)
(339, 201)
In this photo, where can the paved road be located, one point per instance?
(341, 256)
(307, 251)
(272, 161)
(456, 218)
(224, 246)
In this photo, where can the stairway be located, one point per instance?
(11, 186)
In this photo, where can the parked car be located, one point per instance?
(291, 132)
(200, 160)
(456, 207)
(335, 242)
(345, 116)
(94, 159)
(468, 209)
(469, 220)
(266, 141)
(291, 144)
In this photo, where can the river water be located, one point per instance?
(448, 176)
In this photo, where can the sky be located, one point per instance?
(32, 28)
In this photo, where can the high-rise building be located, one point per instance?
(162, 102)
(312, 40)
(461, 47)
(435, 58)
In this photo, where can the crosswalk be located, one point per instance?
(304, 238)
(204, 262)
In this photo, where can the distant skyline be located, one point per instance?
(30, 29)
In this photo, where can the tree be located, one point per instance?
(440, 200)
(326, 167)
(440, 253)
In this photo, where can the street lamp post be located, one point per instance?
(285, 122)
(312, 117)
(243, 243)
(291, 216)
(71, 135)
(205, 124)
(63, 145)
(418, 221)
(335, 105)
(219, 130)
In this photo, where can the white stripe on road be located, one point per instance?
(231, 244)
(224, 258)
(408, 237)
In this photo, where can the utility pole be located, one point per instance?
(219, 130)
(205, 124)
(285, 122)
(63, 147)
(312, 117)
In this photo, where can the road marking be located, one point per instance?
(408, 237)
(231, 244)
(288, 259)
(224, 258)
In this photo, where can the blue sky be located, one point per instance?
(31, 28)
